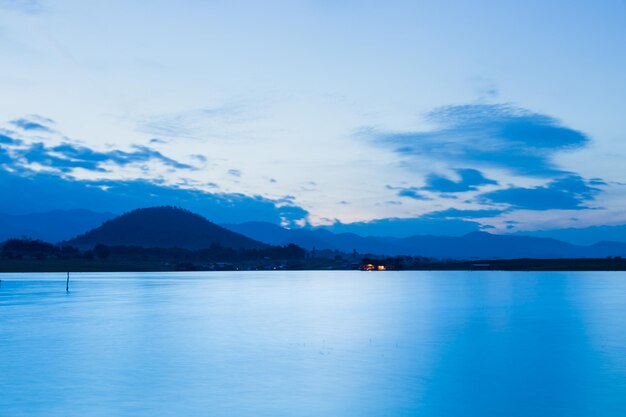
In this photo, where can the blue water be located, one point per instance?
(313, 344)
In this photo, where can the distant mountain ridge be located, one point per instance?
(51, 226)
(474, 245)
(172, 227)
(584, 235)
(163, 227)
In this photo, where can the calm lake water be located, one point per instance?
(351, 344)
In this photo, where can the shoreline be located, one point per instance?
(520, 264)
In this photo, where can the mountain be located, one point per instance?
(276, 235)
(173, 227)
(165, 227)
(474, 245)
(583, 235)
(51, 226)
(477, 245)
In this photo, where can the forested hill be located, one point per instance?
(163, 227)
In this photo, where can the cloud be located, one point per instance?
(188, 124)
(234, 172)
(66, 157)
(470, 179)
(453, 213)
(39, 153)
(40, 192)
(8, 140)
(409, 192)
(139, 154)
(53, 189)
(308, 186)
(484, 87)
(5, 158)
(407, 227)
(26, 124)
(496, 135)
(199, 157)
(568, 193)
(158, 141)
(596, 181)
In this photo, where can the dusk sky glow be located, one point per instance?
(508, 114)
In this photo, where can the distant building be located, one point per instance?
(380, 265)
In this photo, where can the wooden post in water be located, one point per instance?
(67, 283)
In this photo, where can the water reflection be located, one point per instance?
(313, 343)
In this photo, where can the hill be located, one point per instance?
(163, 227)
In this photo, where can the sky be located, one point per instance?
(504, 116)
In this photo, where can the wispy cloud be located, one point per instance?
(66, 157)
(34, 142)
(33, 123)
(412, 193)
(505, 138)
(469, 180)
(495, 135)
(5, 158)
(453, 213)
(407, 227)
(409, 192)
(8, 140)
(188, 124)
(568, 193)
(25, 124)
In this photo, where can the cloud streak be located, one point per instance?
(470, 180)
(188, 124)
(28, 125)
(492, 135)
(413, 193)
(407, 227)
(22, 150)
(453, 213)
(568, 193)
(66, 157)
(8, 140)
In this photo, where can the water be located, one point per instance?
(313, 344)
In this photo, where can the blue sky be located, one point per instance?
(506, 116)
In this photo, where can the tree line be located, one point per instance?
(37, 249)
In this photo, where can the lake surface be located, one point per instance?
(346, 343)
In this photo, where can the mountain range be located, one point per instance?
(172, 227)
(474, 245)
